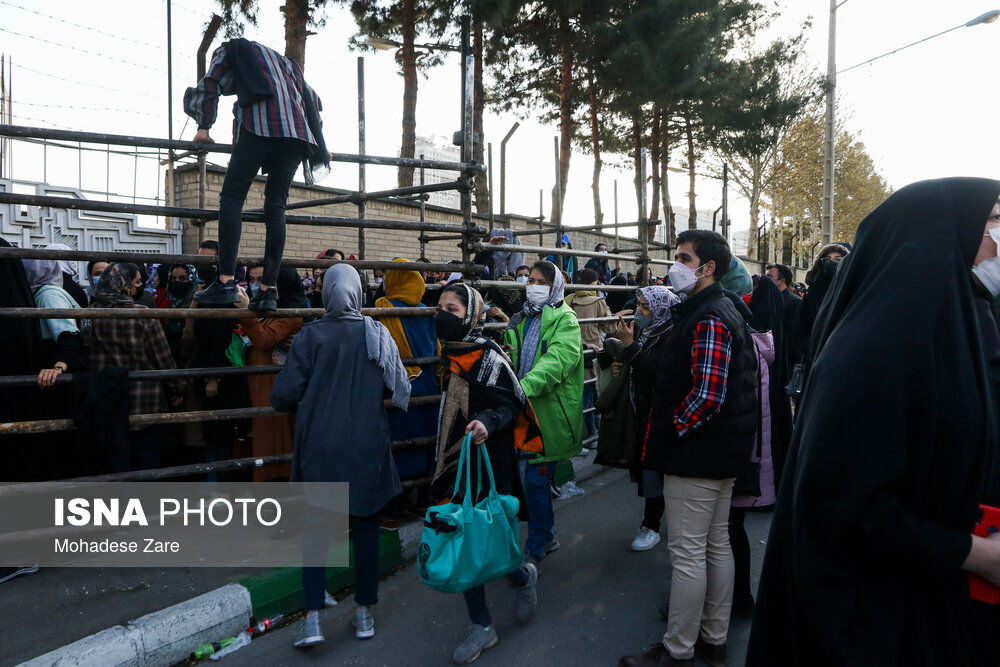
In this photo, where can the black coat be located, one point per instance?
(894, 448)
(719, 448)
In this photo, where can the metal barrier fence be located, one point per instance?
(469, 233)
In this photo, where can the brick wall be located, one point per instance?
(308, 241)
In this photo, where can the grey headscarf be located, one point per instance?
(342, 300)
(506, 261)
(43, 272)
(65, 265)
(557, 293)
(533, 329)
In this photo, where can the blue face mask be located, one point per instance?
(94, 280)
(254, 288)
(643, 320)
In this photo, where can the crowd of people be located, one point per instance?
(862, 411)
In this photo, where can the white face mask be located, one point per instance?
(988, 270)
(522, 279)
(378, 280)
(538, 294)
(682, 277)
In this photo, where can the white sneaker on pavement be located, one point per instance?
(645, 540)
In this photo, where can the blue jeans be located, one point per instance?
(589, 393)
(541, 526)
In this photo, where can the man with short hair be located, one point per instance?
(782, 276)
(701, 430)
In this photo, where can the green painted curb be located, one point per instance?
(279, 591)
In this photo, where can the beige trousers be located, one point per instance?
(701, 583)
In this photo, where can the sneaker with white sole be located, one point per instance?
(311, 634)
(478, 641)
(645, 540)
(364, 624)
(527, 596)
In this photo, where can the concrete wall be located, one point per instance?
(308, 241)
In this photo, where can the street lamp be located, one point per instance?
(831, 97)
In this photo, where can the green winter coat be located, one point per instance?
(555, 382)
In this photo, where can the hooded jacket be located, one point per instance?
(554, 384)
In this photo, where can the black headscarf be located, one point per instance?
(20, 340)
(616, 300)
(894, 449)
(766, 307)
(290, 291)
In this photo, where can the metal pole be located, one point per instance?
(503, 167)
(489, 162)
(618, 239)
(643, 220)
(725, 200)
(557, 206)
(423, 214)
(362, 204)
(170, 112)
(468, 67)
(828, 142)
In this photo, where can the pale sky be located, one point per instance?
(926, 112)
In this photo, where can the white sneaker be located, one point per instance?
(645, 540)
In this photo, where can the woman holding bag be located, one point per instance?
(482, 397)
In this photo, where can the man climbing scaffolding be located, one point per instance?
(276, 125)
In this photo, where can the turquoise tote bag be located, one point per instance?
(465, 545)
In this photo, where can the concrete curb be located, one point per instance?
(170, 635)
(163, 637)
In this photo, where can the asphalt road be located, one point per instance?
(597, 601)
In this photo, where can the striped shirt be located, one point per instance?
(710, 355)
(281, 115)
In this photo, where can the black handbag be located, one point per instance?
(748, 483)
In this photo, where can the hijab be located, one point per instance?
(290, 291)
(66, 266)
(114, 289)
(660, 301)
(737, 279)
(893, 451)
(475, 320)
(557, 294)
(42, 272)
(342, 301)
(405, 286)
(20, 340)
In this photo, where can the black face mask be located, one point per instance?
(178, 289)
(208, 273)
(449, 326)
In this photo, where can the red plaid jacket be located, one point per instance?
(710, 355)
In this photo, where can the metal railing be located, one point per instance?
(469, 233)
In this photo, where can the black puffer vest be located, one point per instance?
(719, 448)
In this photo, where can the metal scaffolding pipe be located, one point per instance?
(357, 197)
(192, 313)
(48, 425)
(561, 251)
(197, 146)
(210, 260)
(212, 214)
(185, 373)
(573, 287)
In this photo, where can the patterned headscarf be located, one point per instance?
(660, 301)
(475, 319)
(114, 290)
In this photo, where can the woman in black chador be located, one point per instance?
(894, 449)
